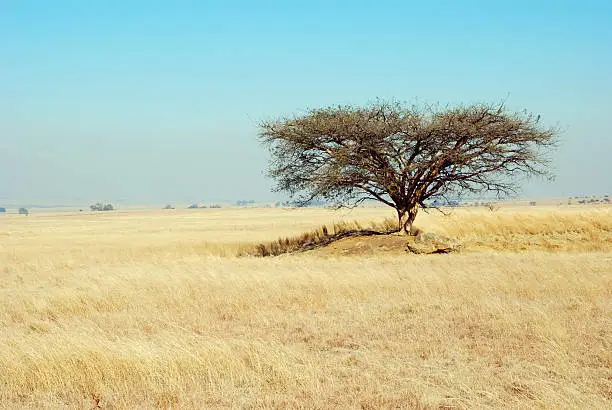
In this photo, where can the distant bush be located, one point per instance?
(494, 207)
(215, 206)
(168, 207)
(101, 207)
(294, 204)
(439, 203)
(193, 206)
(23, 211)
(532, 203)
(244, 202)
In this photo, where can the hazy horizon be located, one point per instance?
(154, 103)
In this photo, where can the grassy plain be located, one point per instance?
(154, 309)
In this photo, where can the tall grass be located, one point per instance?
(562, 230)
(550, 231)
(508, 330)
(154, 310)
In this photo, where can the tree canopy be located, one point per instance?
(404, 155)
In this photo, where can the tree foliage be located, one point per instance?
(404, 155)
(101, 207)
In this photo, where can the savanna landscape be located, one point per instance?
(305, 205)
(176, 309)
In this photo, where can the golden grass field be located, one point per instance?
(154, 309)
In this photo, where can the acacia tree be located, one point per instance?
(404, 155)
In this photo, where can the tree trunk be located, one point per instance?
(400, 219)
(406, 218)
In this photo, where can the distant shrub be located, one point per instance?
(493, 206)
(244, 202)
(23, 211)
(215, 206)
(168, 207)
(532, 203)
(101, 207)
(437, 203)
(193, 206)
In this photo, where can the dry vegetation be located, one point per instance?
(323, 237)
(154, 309)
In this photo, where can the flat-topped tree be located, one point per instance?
(403, 155)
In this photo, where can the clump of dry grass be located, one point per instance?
(320, 237)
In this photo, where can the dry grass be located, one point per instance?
(567, 230)
(323, 236)
(572, 229)
(141, 310)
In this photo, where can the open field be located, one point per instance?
(153, 309)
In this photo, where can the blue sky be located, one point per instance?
(158, 101)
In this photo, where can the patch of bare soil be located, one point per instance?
(423, 243)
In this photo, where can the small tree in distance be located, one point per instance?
(101, 207)
(403, 155)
